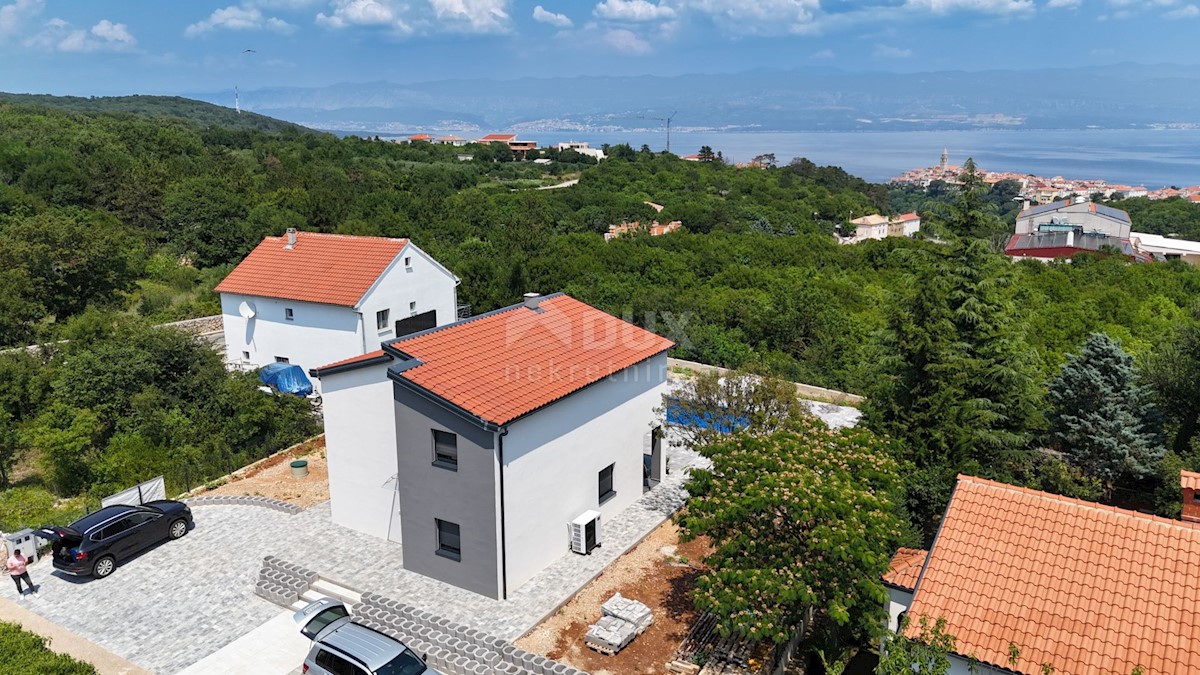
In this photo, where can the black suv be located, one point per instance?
(94, 543)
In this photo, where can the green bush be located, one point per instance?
(33, 507)
(25, 652)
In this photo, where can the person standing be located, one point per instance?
(16, 568)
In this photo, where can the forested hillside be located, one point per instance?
(108, 222)
(176, 107)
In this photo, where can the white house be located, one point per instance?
(310, 298)
(477, 445)
(1167, 248)
(1030, 582)
(875, 226)
(1080, 216)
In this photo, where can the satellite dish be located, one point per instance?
(246, 309)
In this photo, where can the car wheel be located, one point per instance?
(104, 567)
(178, 528)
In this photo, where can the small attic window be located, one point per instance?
(288, 314)
(408, 262)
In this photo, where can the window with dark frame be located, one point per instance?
(282, 359)
(448, 539)
(381, 319)
(288, 313)
(445, 449)
(606, 483)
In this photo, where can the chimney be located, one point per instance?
(291, 235)
(532, 300)
(1190, 482)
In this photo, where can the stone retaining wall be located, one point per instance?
(283, 582)
(802, 390)
(198, 326)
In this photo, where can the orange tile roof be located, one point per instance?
(1082, 587)
(508, 363)
(332, 269)
(1189, 480)
(905, 568)
(377, 354)
(499, 137)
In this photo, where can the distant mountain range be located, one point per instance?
(814, 99)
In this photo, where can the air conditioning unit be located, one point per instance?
(585, 532)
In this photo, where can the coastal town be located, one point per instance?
(1043, 190)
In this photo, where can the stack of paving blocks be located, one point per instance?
(623, 619)
(449, 647)
(283, 582)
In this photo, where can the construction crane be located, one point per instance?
(666, 119)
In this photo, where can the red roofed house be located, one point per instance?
(1076, 587)
(310, 298)
(494, 446)
(900, 580)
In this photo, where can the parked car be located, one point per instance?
(341, 647)
(94, 544)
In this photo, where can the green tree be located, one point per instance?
(1173, 374)
(926, 653)
(958, 386)
(1101, 419)
(65, 438)
(802, 518)
(709, 406)
(969, 213)
(706, 154)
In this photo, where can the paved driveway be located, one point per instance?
(183, 600)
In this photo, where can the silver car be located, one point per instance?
(341, 647)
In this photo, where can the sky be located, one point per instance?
(109, 47)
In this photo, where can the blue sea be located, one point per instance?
(1154, 158)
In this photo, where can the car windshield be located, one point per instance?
(405, 664)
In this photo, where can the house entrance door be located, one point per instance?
(652, 460)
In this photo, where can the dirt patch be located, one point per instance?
(272, 477)
(660, 572)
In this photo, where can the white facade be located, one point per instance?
(552, 460)
(1171, 249)
(312, 334)
(554, 456)
(360, 443)
(1083, 216)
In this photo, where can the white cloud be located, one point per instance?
(105, 36)
(475, 16)
(14, 16)
(889, 52)
(1063, 4)
(541, 15)
(348, 13)
(1185, 12)
(823, 55)
(633, 10)
(626, 41)
(981, 6)
(238, 18)
(763, 16)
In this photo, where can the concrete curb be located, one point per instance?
(244, 500)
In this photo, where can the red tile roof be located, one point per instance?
(905, 568)
(503, 365)
(911, 215)
(498, 137)
(1189, 480)
(332, 269)
(377, 354)
(1082, 587)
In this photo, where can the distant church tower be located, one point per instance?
(945, 159)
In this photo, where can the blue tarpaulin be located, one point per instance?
(723, 421)
(286, 377)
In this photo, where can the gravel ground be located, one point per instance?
(273, 478)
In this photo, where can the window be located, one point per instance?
(288, 314)
(408, 261)
(245, 356)
(445, 450)
(606, 483)
(412, 306)
(281, 359)
(447, 540)
(336, 664)
(141, 518)
(112, 529)
(381, 319)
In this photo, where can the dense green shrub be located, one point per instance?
(26, 653)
